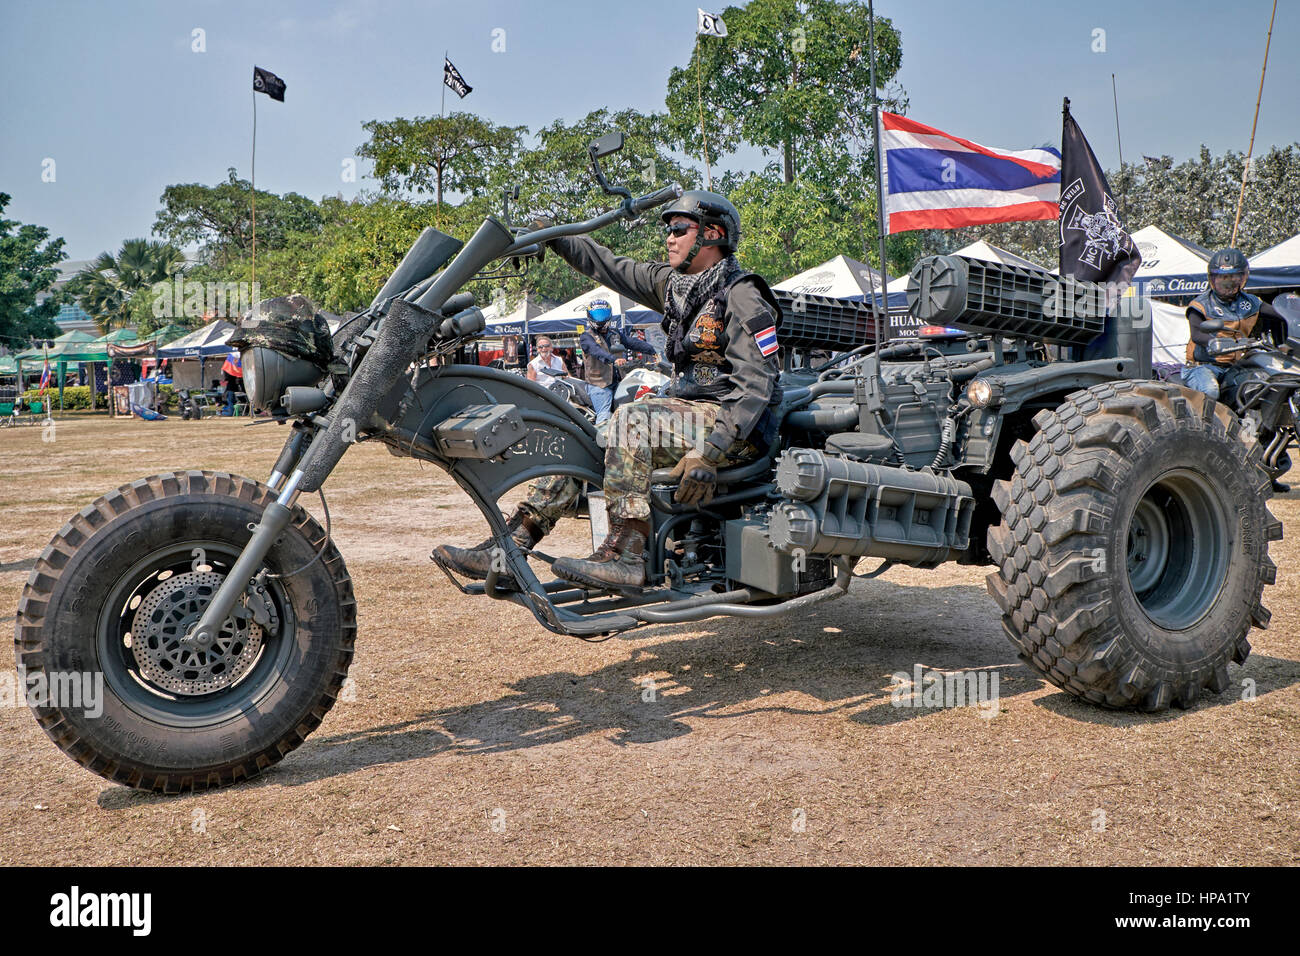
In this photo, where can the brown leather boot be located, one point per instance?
(619, 562)
(475, 562)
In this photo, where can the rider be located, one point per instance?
(721, 327)
(598, 360)
(1227, 301)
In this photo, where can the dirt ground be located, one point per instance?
(478, 737)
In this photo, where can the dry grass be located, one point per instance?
(478, 737)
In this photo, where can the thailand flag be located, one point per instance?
(934, 180)
(45, 376)
(766, 340)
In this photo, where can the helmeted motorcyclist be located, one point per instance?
(720, 323)
(1227, 301)
(599, 361)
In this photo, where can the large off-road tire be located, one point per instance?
(119, 585)
(1133, 549)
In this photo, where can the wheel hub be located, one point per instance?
(1177, 549)
(189, 668)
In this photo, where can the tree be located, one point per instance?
(555, 180)
(106, 287)
(221, 217)
(438, 154)
(28, 268)
(791, 76)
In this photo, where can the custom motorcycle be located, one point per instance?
(1125, 522)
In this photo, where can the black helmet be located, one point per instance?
(1230, 268)
(708, 209)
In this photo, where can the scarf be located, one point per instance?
(684, 296)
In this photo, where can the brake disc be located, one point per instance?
(164, 618)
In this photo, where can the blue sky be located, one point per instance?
(114, 94)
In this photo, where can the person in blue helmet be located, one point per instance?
(1240, 312)
(598, 359)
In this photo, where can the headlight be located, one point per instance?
(984, 392)
(248, 361)
(267, 373)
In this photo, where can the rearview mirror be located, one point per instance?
(609, 143)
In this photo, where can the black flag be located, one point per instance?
(264, 81)
(1094, 244)
(451, 76)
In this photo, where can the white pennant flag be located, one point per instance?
(711, 25)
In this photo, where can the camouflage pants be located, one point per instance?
(654, 432)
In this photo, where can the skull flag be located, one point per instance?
(451, 76)
(1094, 244)
(264, 81)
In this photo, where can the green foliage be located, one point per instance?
(438, 154)
(106, 288)
(75, 397)
(28, 267)
(555, 181)
(792, 76)
(221, 217)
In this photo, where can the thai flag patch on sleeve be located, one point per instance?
(766, 340)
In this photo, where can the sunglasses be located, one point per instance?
(679, 228)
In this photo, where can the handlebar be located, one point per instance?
(657, 198)
(628, 209)
(1220, 346)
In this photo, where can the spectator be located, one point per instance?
(547, 366)
(511, 353)
(232, 372)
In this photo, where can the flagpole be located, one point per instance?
(1124, 192)
(880, 167)
(1245, 168)
(442, 110)
(699, 95)
(253, 183)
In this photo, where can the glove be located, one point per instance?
(699, 479)
(541, 222)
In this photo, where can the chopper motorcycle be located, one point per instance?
(222, 620)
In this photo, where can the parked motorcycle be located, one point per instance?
(1261, 387)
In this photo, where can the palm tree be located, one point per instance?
(104, 289)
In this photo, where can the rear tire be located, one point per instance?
(1133, 549)
(118, 585)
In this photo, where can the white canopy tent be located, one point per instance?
(1281, 262)
(840, 278)
(190, 352)
(527, 311)
(572, 315)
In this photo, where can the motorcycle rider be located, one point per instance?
(721, 327)
(598, 360)
(1226, 300)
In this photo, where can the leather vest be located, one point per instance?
(702, 359)
(1238, 317)
(594, 371)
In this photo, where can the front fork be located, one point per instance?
(274, 520)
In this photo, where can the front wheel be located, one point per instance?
(102, 621)
(1133, 549)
